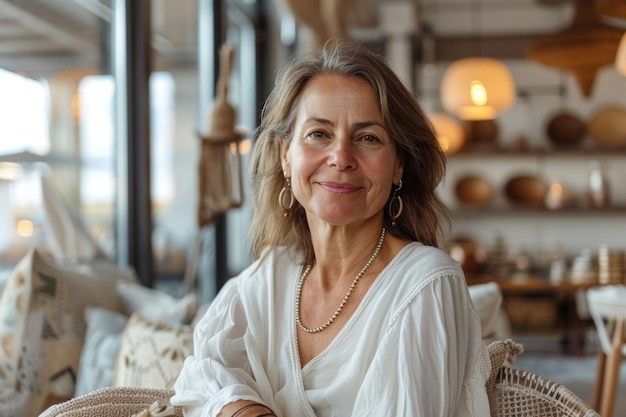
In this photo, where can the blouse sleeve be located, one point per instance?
(431, 361)
(218, 372)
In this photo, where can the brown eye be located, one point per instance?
(317, 135)
(370, 139)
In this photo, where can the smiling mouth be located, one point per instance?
(338, 188)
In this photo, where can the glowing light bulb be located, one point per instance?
(244, 147)
(477, 88)
(25, 228)
(556, 189)
(478, 93)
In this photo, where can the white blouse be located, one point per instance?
(412, 348)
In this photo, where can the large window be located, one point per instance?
(23, 136)
(59, 119)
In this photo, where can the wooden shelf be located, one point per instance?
(543, 152)
(531, 284)
(465, 212)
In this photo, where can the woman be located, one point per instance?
(349, 308)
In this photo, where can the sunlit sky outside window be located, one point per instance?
(24, 121)
(23, 114)
(97, 137)
(25, 127)
(163, 131)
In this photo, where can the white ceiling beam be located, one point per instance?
(97, 8)
(67, 39)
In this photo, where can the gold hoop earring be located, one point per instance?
(396, 202)
(286, 196)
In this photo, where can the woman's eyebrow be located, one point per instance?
(319, 120)
(368, 123)
(357, 125)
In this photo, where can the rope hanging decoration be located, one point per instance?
(220, 177)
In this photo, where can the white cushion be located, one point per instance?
(487, 300)
(102, 341)
(155, 305)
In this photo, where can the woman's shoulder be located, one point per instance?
(420, 271)
(270, 267)
(417, 256)
(419, 266)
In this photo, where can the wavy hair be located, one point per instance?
(419, 151)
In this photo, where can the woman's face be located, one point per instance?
(341, 160)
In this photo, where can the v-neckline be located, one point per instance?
(300, 371)
(346, 327)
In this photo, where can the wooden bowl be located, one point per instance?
(473, 190)
(525, 190)
(608, 127)
(566, 129)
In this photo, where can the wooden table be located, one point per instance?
(561, 294)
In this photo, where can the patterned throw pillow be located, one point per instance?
(151, 354)
(42, 328)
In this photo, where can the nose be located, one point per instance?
(341, 155)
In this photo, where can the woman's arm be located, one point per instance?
(218, 373)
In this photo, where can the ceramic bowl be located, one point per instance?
(566, 129)
(607, 127)
(525, 190)
(473, 190)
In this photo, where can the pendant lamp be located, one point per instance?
(620, 59)
(450, 134)
(477, 88)
(582, 49)
(615, 11)
(612, 9)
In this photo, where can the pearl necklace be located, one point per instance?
(345, 298)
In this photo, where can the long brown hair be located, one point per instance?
(416, 143)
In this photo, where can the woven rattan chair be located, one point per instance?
(118, 402)
(517, 393)
(512, 393)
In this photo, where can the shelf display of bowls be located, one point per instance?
(525, 190)
(473, 190)
(607, 127)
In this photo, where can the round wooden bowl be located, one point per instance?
(566, 130)
(525, 190)
(608, 127)
(473, 190)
